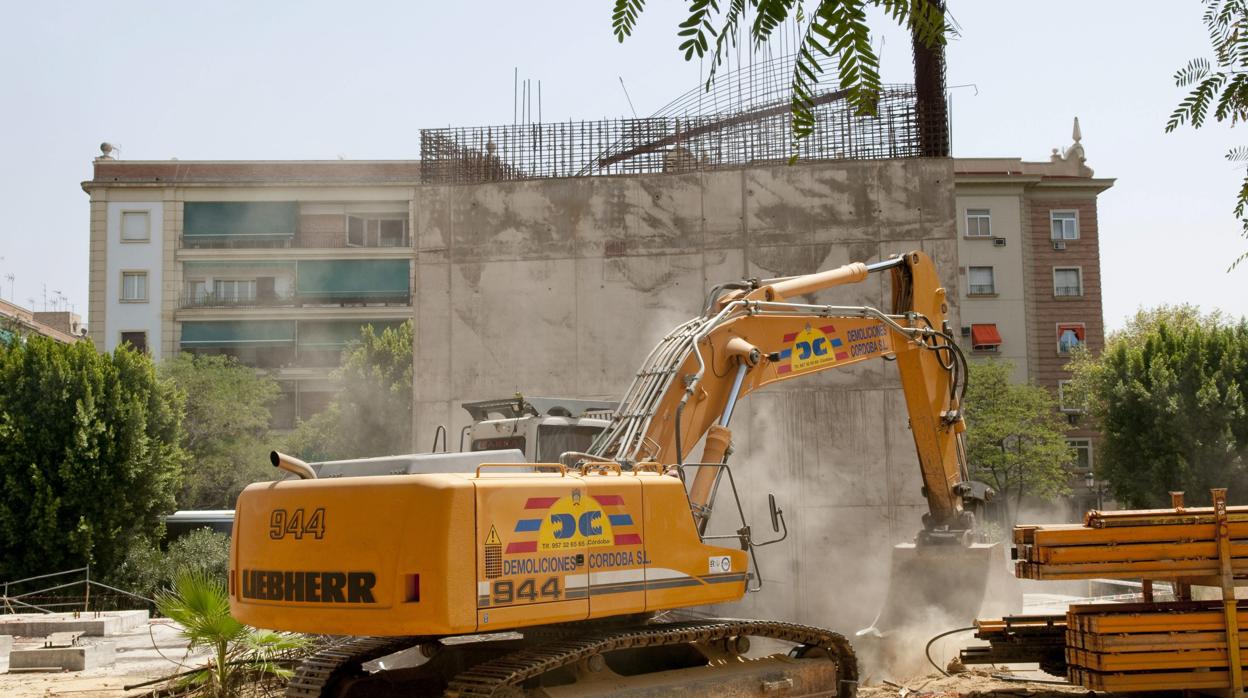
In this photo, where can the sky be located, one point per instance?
(320, 80)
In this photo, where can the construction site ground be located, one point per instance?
(155, 650)
(979, 682)
(151, 651)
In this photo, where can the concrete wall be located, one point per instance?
(561, 287)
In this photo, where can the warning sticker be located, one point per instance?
(493, 554)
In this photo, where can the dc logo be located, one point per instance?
(805, 350)
(589, 524)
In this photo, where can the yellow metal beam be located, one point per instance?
(1229, 606)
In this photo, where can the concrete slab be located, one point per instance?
(6, 644)
(78, 658)
(92, 624)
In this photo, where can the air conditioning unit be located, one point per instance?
(998, 242)
(1059, 244)
(966, 330)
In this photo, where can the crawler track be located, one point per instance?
(498, 676)
(328, 673)
(316, 673)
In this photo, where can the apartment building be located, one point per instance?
(63, 326)
(1029, 260)
(278, 264)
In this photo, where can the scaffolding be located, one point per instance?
(757, 132)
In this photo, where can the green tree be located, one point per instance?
(1221, 86)
(834, 32)
(371, 414)
(90, 454)
(226, 427)
(1168, 394)
(147, 568)
(1015, 436)
(240, 654)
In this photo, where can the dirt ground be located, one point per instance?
(976, 683)
(138, 659)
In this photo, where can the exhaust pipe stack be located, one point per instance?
(292, 465)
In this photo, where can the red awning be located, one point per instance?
(985, 335)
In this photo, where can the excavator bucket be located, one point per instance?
(940, 587)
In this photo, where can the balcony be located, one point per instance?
(234, 243)
(316, 344)
(287, 225)
(982, 290)
(1067, 291)
(296, 284)
(189, 301)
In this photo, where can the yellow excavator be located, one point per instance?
(559, 581)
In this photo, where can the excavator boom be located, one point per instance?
(757, 334)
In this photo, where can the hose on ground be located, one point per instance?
(927, 651)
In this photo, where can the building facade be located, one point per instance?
(1029, 259)
(278, 264)
(63, 326)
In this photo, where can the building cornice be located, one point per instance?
(253, 173)
(395, 312)
(274, 254)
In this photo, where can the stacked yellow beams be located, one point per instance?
(1148, 544)
(1148, 646)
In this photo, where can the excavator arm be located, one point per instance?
(755, 333)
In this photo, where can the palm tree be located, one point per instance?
(199, 604)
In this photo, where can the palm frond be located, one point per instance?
(1195, 70)
(726, 38)
(624, 17)
(923, 18)
(1238, 260)
(1238, 154)
(1233, 102)
(1194, 108)
(695, 28)
(769, 14)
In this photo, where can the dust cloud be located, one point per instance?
(846, 476)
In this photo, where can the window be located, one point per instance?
(196, 290)
(978, 223)
(355, 231)
(1083, 454)
(1067, 282)
(1069, 336)
(135, 226)
(1064, 225)
(985, 337)
(136, 340)
(981, 281)
(391, 233)
(234, 290)
(134, 286)
(553, 440)
(380, 230)
(1065, 402)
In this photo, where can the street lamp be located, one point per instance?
(1092, 484)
